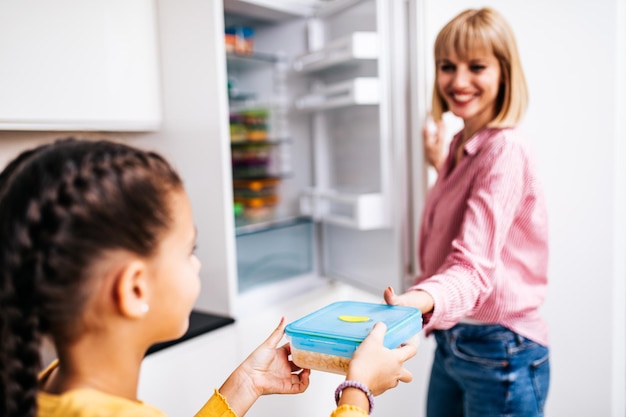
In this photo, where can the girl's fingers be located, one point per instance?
(277, 334)
(405, 376)
(379, 330)
(406, 352)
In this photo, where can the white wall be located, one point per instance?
(575, 121)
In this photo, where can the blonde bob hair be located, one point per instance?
(485, 31)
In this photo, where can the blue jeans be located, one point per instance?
(487, 371)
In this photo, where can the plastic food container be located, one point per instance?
(257, 208)
(326, 339)
(237, 128)
(263, 187)
(255, 121)
(239, 39)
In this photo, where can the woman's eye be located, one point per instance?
(447, 68)
(477, 67)
(194, 249)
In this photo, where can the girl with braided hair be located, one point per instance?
(97, 252)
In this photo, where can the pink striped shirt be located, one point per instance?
(484, 238)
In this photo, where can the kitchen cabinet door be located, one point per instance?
(79, 65)
(180, 379)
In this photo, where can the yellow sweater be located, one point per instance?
(93, 403)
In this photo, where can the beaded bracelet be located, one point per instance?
(357, 385)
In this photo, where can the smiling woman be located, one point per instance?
(484, 232)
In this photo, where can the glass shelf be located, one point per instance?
(236, 61)
(267, 142)
(241, 96)
(245, 227)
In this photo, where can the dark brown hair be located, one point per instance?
(62, 205)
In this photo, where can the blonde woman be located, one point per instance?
(484, 233)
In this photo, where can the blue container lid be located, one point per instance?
(340, 327)
(243, 31)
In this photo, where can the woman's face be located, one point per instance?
(470, 87)
(175, 269)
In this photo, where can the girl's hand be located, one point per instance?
(433, 134)
(270, 369)
(376, 366)
(267, 370)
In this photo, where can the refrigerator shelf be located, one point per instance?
(268, 10)
(260, 143)
(241, 96)
(356, 211)
(355, 92)
(237, 61)
(354, 47)
(245, 227)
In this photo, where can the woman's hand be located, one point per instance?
(416, 299)
(433, 134)
(267, 370)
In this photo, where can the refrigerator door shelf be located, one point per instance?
(355, 92)
(355, 211)
(271, 10)
(282, 10)
(354, 47)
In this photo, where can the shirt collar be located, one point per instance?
(476, 142)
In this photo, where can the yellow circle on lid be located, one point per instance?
(354, 319)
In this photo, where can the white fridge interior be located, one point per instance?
(322, 180)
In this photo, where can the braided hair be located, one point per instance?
(61, 206)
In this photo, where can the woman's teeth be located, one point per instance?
(462, 98)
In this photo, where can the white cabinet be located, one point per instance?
(79, 65)
(180, 379)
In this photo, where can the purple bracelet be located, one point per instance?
(354, 384)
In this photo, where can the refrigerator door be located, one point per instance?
(360, 104)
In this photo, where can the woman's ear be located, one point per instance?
(131, 290)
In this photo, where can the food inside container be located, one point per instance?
(239, 40)
(237, 128)
(257, 208)
(250, 155)
(265, 187)
(255, 121)
(249, 125)
(326, 339)
(251, 161)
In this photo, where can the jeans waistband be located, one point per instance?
(468, 320)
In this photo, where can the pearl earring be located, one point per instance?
(145, 308)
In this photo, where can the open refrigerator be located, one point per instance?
(324, 98)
